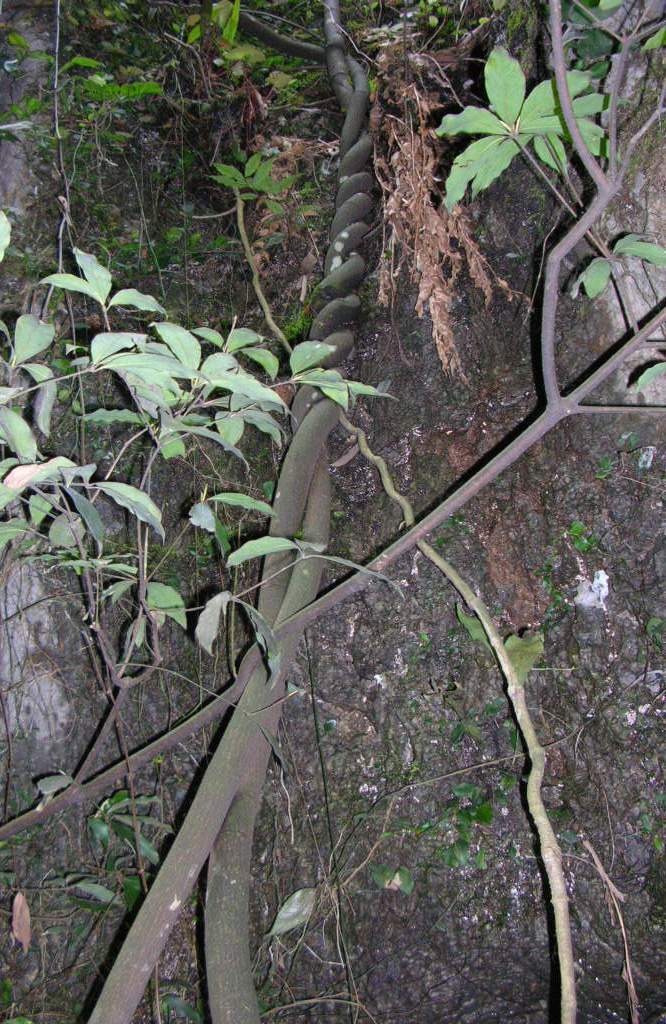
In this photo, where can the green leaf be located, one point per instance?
(238, 500)
(595, 277)
(105, 417)
(202, 515)
(265, 359)
(208, 625)
(44, 402)
(264, 422)
(208, 334)
(482, 161)
(252, 164)
(231, 28)
(632, 245)
(647, 376)
(88, 513)
(259, 548)
(132, 891)
(97, 891)
(656, 41)
(17, 435)
(109, 342)
(473, 626)
(71, 283)
(10, 529)
(217, 363)
(472, 121)
(136, 300)
(162, 598)
(229, 176)
(403, 881)
(307, 354)
(97, 276)
(230, 428)
(541, 102)
(80, 62)
(524, 652)
(31, 336)
(381, 875)
(27, 475)
(609, 5)
(39, 507)
(241, 337)
(66, 531)
(5, 234)
(243, 384)
(136, 502)
(295, 912)
(505, 85)
(184, 345)
(550, 150)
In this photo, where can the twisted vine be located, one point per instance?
(220, 821)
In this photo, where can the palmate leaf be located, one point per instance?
(505, 85)
(595, 277)
(472, 121)
(481, 163)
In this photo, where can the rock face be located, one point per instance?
(403, 796)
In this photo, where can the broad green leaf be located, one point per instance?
(218, 362)
(294, 912)
(230, 176)
(208, 625)
(66, 531)
(265, 359)
(132, 891)
(247, 386)
(31, 336)
(308, 354)
(656, 41)
(109, 342)
(647, 376)
(136, 502)
(97, 891)
(253, 163)
(230, 428)
(71, 283)
(11, 529)
(231, 27)
(238, 500)
(609, 5)
(473, 626)
(472, 121)
(381, 875)
(6, 394)
(589, 105)
(505, 85)
(633, 245)
(182, 343)
(97, 276)
(17, 435)
(264, 421)
(492, 153)
(494, 162)
(88, 513)
(44, 402)
(105, 417)
(39, 507)
(241, 337)
(208, 334)
(595, 277)
(259, 548)
(403, 881)
(541, 102)
(202, 515)
(163, 598)
(550, 150)
(524, 652)
(136, 300)
(5, 234)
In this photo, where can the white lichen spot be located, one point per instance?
(646, 457)
(175, 904)
(336, 262)
(630, 717)
(593, 594)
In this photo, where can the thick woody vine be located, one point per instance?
(220, 820)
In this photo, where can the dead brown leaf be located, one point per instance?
(21, 921)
